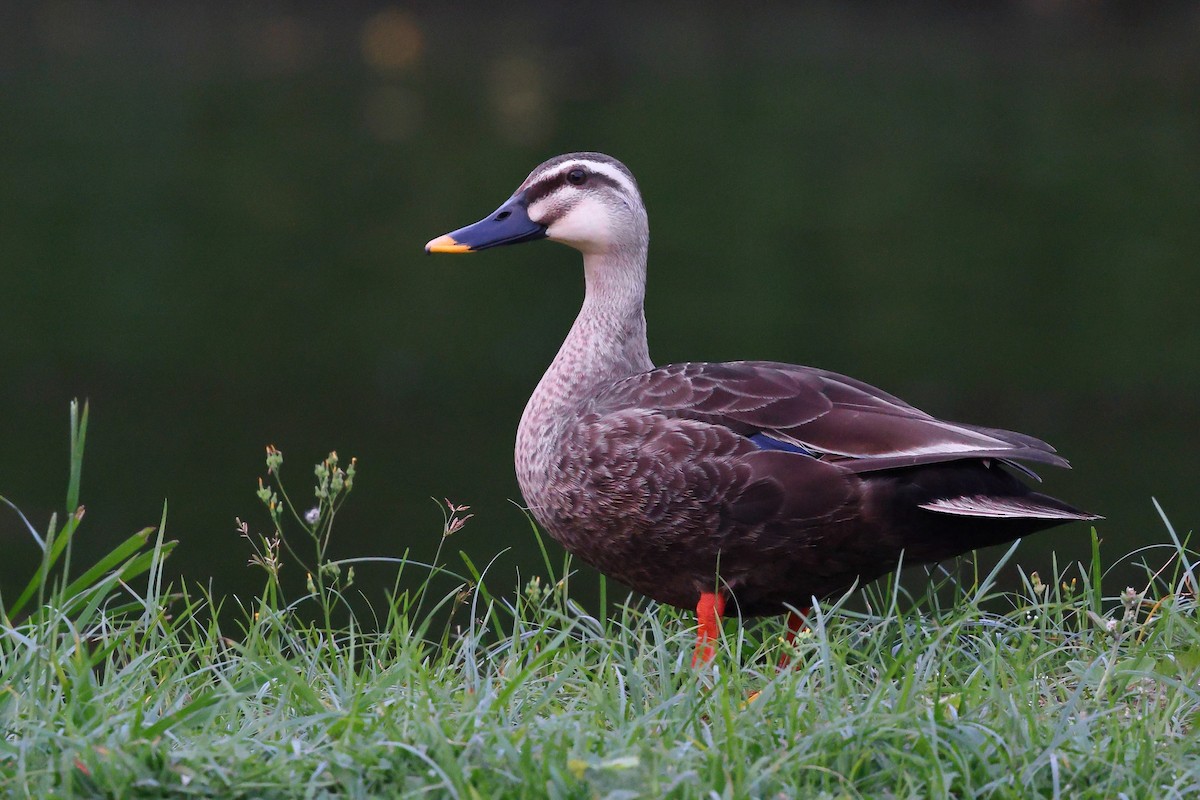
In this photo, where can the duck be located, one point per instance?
(754, 486)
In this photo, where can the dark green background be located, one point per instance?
(211, 222)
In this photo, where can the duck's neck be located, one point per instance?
(606, 343)
(608, 340)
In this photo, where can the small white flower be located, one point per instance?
(312, 515)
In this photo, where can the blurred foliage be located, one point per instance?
(211, 226)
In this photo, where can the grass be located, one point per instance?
(114, 684)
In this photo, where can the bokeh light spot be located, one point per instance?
(391, 41)
(519, 100)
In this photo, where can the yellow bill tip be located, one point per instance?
(446, 244)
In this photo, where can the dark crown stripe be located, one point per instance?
(595, 158)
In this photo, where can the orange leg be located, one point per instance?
(708, 614)
(795, 624)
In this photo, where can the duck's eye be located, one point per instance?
(576, 177)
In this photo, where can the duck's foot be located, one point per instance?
(709, 611)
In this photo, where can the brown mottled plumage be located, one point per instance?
(762, 483)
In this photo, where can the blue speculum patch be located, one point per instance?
(764, 442)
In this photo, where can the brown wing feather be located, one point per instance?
(842, 418)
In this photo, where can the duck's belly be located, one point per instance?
(665, 525)
(762, 569)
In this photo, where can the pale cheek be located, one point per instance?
(585, 227)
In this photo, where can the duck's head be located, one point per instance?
(586, 200)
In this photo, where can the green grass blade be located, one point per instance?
(109, 562)
(205, 701)
(79, 423)
(37, 537)
(57, 543)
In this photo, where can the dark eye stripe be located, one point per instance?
(544, 187)
(551, 184)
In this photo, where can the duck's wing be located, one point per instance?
(827, 415)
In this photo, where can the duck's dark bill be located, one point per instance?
(509, 224)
